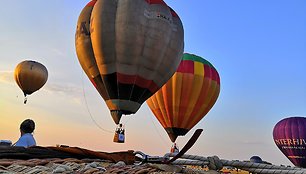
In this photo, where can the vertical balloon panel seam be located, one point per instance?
(176, 81)
(167, 95)
(135, 76)
(200, 111)
(206, 107)
(156, 106)
(198, 72)
(185, 69)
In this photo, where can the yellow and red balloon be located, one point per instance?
(187, 97)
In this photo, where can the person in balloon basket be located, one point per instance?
(174, 149)
(26, 130)
(119, 134)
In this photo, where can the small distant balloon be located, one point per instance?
(30, 76)
(289, 136)
(256, 159)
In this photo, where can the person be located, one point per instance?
(119, 134)
(174, 148)
(26, 130)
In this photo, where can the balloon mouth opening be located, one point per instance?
(26, 92)
(174, 132)
(117, 114)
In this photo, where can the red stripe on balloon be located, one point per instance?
(137, 80)
(208, 71)
(156, 2)
(91, 3)
(93, 82)
(211, 73)
(216, 76)
(186, 66)
(174, 14)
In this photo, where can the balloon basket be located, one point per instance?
(118, 138)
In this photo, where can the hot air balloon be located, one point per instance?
(187, 97)
(128, 49)
(289, 135)
(256, 159)
(30, 76)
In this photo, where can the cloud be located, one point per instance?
(7, 77)
(63, 88)
(57, 51)
(74, 92)
(252, 142)
(71, 92)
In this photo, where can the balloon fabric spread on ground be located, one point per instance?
(128, 49)
(289, 136)
(187, 97)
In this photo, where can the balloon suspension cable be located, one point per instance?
(126, 120)
(88, 110)
(155, 127)
(25, 99)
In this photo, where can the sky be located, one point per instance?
(257, 46)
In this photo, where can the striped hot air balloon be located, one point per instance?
(187, 97)
(289, 135)
(128, 49)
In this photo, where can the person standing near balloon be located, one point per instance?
(26, 130)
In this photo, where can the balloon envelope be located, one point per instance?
(290, 137)
(30, 76)
(256, 159)
(128, 49)
(187, 97)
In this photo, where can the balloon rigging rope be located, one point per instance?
(164, 141)
(87, 108)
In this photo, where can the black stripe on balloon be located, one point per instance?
(117, 90)
(125, 91)
(133, 92)
(110, 83)
(137, 92)
(140, 95)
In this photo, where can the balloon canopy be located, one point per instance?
(187, 97)
(256, 159)
(30, 76)
(128, 49)
(289, 136)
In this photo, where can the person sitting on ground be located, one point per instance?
(26, 129)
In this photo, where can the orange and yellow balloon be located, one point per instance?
(30, 76)
(187, 97)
